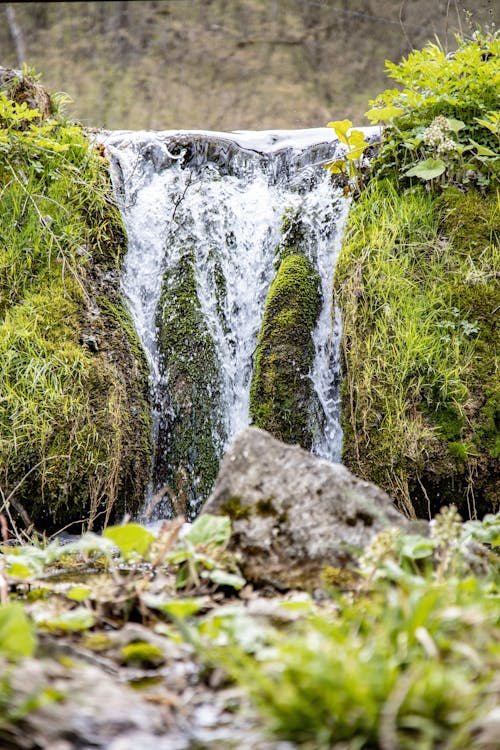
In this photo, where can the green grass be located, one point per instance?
(407, 659)
(415, 282)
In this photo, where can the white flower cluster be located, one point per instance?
(446, 527)
(382, 547)
(435, 135)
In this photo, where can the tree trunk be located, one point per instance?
(16, 34)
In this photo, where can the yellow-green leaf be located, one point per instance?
(341, 128)
(130, 538)
(177, 608)
(383, 113)
(79, 593)
(336, 167)
(17, 638)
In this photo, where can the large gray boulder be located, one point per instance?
(292, 513)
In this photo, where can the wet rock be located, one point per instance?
(292, 513)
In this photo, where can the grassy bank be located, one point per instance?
(416, 282)
(74, 416)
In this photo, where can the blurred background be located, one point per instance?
(225, 64)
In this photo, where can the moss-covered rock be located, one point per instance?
(281, 391)
(191, 430)
(416, 284)
(74, 408)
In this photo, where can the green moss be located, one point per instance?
(234, 509)
(72, 375)
(449, 422)
(191, 428)
(265, 507)
(281, 393)
(416, 284)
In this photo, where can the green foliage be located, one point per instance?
(356, 146)
(17, 637)
(142, 653)
(133, 540)
(200, 553)
(445, 117)
(409, 662)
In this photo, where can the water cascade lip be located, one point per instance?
(214, 203)
(260, 141)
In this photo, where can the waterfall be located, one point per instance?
(213, 205)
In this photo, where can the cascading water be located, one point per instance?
(216, 203)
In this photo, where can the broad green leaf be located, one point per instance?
(427, 169)
(78, 593)
(455, 125)
(19, 570)
(178, 608)
(130, 538)
(415, 547)
(483, 150)
(180, 555)
(341, 128)
(222, 578)
(492, 123)
(17, 638)
(208, 529)
(71, 621)
(25, 561)
(383, 113)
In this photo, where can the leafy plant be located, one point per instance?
(356, 146)
(408, 662)
(200, 554)
(443, 126)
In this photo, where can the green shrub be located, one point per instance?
(443, 126)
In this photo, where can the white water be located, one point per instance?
(225, 196)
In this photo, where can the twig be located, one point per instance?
(10, 499)
(73, 523)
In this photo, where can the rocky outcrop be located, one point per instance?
(292, 513)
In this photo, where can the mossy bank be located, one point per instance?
(74, 407)
(417, 282)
